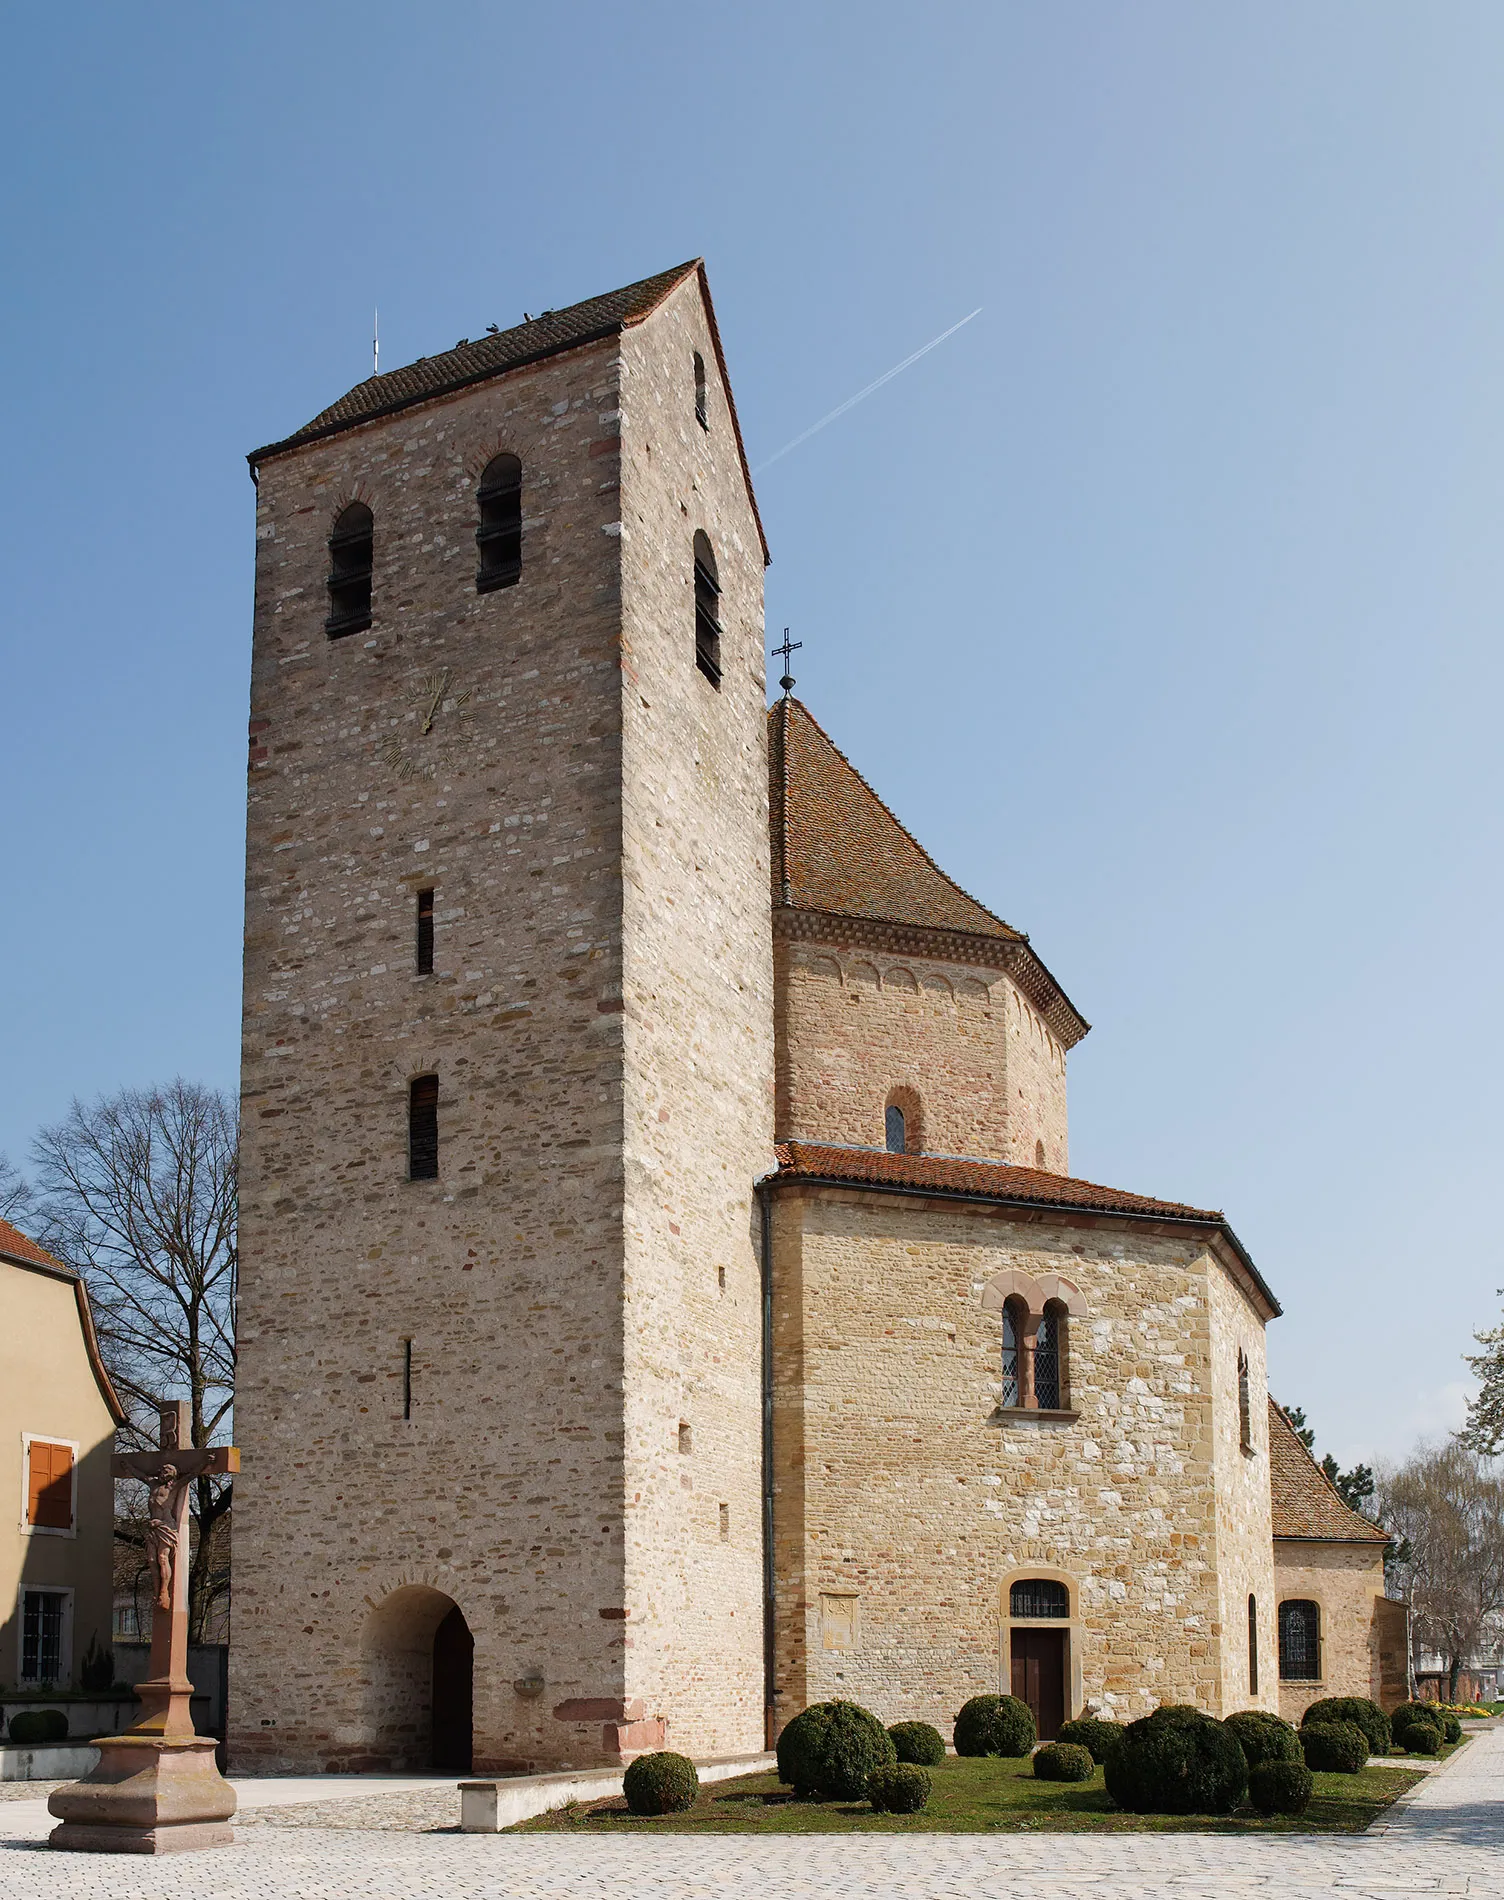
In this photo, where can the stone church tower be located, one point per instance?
(508, 1061)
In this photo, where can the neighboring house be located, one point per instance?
(58, 1413)
(1339, 1634)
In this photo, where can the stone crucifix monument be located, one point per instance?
(157, 1788)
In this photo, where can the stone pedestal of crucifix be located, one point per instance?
(157, 1788)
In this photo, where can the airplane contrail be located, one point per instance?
(862, 394)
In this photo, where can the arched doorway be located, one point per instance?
(453, 1693)
(419, 1660)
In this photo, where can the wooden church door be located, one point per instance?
(1039, 1677)
(453, 1690)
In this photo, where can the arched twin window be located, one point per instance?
(707, 611)
(1299, 1641)
(499, 534)
(351, 555)
(1034, 1357)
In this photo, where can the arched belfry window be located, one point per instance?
(896, 1129)
(351, 552)
(707, 612)
(499, 534)
(1299, 1640)
(702, 414)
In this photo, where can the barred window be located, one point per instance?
(499, 535)
(707, 612)
(423, 1129)
(42, 1636)
(1039, 1596)
(352, 545)
(1299, 1641)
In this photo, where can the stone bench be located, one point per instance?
(486, 1807)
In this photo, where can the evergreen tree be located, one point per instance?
(1484, 1431)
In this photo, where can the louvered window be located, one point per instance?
(351, 556)
(423, 1129)
(707, 612)
(425, 933)
(1299, 1641)
(499, 535)
(49, 1486)
(702, 414)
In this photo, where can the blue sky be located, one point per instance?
(1163, 600)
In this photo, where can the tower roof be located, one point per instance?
(494, 355)
(1305, 1502)
(837, 848)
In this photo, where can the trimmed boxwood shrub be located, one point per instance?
(1177, 1761)
(828, 1751)
(1264, 1737)
(902, 1789)
(1451, 1728)
(37, 1728)
(1094, 1733)
(1419, 1738)
(995, 1725)
(1064, 1761)
(1334, 1748)
(1280, 1787)
(664, 1783)
(1367, 1715)
(918, 1744)
(1409, 1713)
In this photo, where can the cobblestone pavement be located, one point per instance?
(1447, 1838)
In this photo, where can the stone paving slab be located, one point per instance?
(1447, 1837)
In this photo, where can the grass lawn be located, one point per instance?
(973, 1796)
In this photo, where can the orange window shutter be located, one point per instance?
(49, 1486)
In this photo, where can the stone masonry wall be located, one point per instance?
(503, 1490)
(988, 1074)
(698, 1025)
(1245, 1552)
(1344, 1581)
(904, 1505)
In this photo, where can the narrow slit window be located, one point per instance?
(1253, 1645)
(499, 535)
(352, 546)
(407, 1378)
(423, 1129)
(1245, 1409)
(425, 933)
(702, 414)
(707, 612)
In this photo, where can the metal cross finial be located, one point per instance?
(788, 647)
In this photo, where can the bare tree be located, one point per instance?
(138, 1192)
(1446, 1509)
(15, 1193)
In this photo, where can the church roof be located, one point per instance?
(14, 1245)
(1305, 1503)
(822, 1164)
(494, 355)
(838, 849)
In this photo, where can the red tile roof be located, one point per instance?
(949, 1174)
(838, 850)
(14, 1245)
(837, 847)
(1304, 1501)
